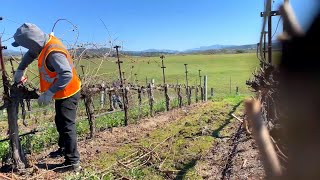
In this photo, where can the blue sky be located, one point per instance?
(146, 24)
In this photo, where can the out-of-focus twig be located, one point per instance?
(270, 160)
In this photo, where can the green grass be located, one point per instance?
(182, 152)
(219, 69)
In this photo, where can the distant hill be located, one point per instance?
(92, 53)
(228, 48)
(156, 52)
(221, 47)
(205, 48)
(160, 50)
(243, 47)
(8, 52)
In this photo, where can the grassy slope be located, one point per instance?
(180, 155)
(219, 69)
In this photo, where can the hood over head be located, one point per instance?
(31, 37)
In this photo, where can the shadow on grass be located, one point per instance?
(216, 132)
(181, 174)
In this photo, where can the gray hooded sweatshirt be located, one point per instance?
(31, 37)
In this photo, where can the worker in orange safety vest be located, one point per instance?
(58, 81)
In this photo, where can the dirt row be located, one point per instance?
(235, 157)
(104, 142)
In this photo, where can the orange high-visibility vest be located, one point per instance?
(48, 78)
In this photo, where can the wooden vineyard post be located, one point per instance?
(187, 84)
(102, 97)
(205, 88)
(124, 90)
(197, 94)
(189, 95)
(212, 92)
(126, 101)
(140, 101)
(165, 86)
(201, 93)
(201, 87)
(111, 108)
(152, 82)
(167, 97)
(151, 98)
(200, 76)
(105, 95)
(90, 113)
(179, 97)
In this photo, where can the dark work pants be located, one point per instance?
(65, 120)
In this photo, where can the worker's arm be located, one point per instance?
(27, 59)
(58, 63)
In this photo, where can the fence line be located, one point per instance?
(100, 102)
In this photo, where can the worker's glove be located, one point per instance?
(45, 98)
(18, 76)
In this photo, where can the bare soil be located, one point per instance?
(106, 141)
(232, 158)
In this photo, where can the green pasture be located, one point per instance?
(219, 68)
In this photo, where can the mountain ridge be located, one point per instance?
(216, 47)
